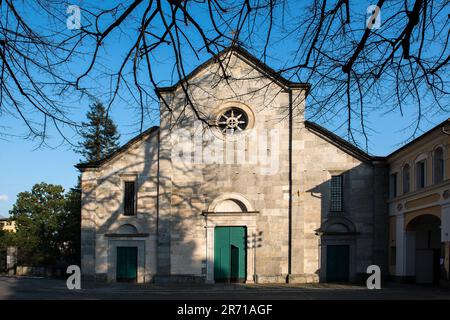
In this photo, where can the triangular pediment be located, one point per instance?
(246, 57)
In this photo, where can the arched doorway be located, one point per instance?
(230, 220)
(126, 255)
(338, 249)
(423, 248)
(230, 244)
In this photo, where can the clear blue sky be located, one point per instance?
(22, 165)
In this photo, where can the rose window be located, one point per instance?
(232, 121)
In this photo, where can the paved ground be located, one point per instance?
(38, 288)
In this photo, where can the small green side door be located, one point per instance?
(126, 264)
(337, 263)
(229, 254)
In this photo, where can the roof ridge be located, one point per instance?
(257, 63)
(348, 146)
(96, 164)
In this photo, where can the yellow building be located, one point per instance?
(8, 225)
(419, 208)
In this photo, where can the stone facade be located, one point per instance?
(284, 203)
(102, 210)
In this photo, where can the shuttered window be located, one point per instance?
(129, 201)
(337, 194)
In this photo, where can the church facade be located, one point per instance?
(251, 192)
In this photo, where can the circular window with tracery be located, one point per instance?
(233, 120)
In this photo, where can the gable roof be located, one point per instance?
(95, 164)
(331, 137)
(251, 60)
(342, 144)
(321, 131)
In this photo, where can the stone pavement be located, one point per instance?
(39, 288)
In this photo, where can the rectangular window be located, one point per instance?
(420, 174)
(439, 171)
(129, 200)
(406, 178)
(438, 165)
(337, 194)
(393, 185)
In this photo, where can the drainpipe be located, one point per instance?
(158, 194)
(290, 187)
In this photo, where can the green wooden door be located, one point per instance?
(229, 254)
(126, 264)
(337, 263)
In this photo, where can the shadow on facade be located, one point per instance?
(352, 233)
(160, 237)
(424, 250)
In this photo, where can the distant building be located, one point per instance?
(7, 225)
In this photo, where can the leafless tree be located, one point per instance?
(352, 65)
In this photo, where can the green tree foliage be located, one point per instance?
(48, 220)
(44, 225)
(6, 240)
(2, 251)
(2, 235)
(99, 136)
(71, 226)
